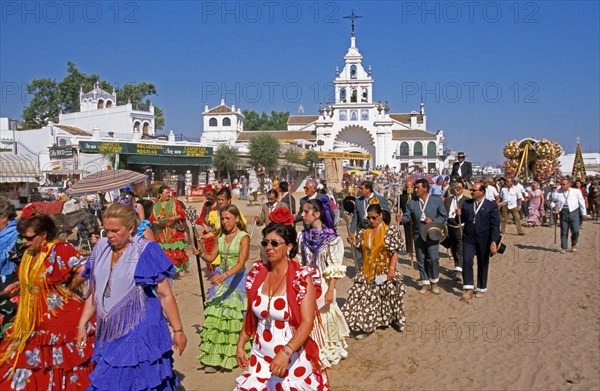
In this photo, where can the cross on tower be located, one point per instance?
(353, 16)
(577, 140)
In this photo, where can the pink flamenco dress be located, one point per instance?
(304, 369)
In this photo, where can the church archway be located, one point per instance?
(355, 139)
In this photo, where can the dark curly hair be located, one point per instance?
(39, 223)
(286, 232)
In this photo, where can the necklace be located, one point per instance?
(270, 296)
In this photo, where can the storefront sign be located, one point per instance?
(144, 149)
(61, 152)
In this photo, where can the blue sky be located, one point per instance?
(489, 72)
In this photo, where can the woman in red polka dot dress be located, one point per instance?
(280, 317)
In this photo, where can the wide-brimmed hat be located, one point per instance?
(349, 204)
(461, 154)
(433, 232)
(501, 247)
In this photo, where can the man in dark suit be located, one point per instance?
(310, 189)
(461, 168)
(286, 196)
(480, 237)
(424, 210)
(268, 207)
(455, 201)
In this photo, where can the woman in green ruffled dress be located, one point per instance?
(227, 300)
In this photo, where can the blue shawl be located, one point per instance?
(8, 238)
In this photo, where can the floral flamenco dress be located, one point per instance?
(373, 303)
(39, 351)
(324, 250)
(134, 348)
(170, 239)
(224, 309)
(270, 336)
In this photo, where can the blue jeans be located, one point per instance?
(569, 220)
(428, 261)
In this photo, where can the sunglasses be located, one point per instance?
(274, 243)
(372, 217)
(28, 238)
(474, 190)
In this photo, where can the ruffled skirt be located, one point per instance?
(139, 360)
(335, 329)
(370, 305)
(223, 321)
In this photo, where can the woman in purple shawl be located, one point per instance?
(129, 291)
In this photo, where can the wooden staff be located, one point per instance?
(192, 216)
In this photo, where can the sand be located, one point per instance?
(538, 328)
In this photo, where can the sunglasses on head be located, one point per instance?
(273, 243)
(28, 238)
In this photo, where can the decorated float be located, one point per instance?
(532, 159)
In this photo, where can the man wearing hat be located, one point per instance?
(424, 210)
(461, 168)
(481, 236)
(455, 201)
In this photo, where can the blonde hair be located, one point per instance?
(126, 213)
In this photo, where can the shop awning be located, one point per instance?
(169, 160)
(17, 168)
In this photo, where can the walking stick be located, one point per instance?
(412, 253)
(192, 216)
(345, 217)
(555, 225)
(262, 201)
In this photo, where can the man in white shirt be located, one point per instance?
(491, 193)
(523, 196)
(511, 200)
(569, 202)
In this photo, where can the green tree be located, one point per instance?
(264, 148)
(51, 97)
(292, 156)
(276, 121)
(45, 104)
(311, 158)
(226, 159)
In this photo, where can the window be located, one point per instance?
(136, 126)
(353, 96)
(226, 122)
(101, 104)
(365, 95)
(404, 149)
(343, 95)
(418, 149)
(212, 122)
(108, 103)
(431, 149)
(364, 115)
(343, 115)
(146, 129)
(353, 115)
(353, 72)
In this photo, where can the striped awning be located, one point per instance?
(103, 181)
(17, 168)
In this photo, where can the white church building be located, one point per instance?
(353, 123)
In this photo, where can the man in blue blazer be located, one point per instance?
(480, 237)
(422, 211)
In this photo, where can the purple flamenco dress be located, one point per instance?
(134, 351)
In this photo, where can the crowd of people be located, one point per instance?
(69, 321)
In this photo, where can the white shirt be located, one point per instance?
(572, 198)
(521, 191)
(491, 193)
(510, 196)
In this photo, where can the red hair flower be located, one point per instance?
(282, 216)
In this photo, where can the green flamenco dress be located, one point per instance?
(225, 310)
